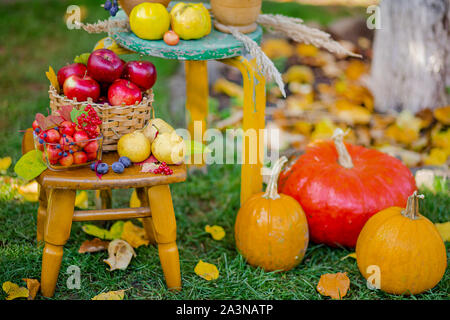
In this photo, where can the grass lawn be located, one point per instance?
(34, 38)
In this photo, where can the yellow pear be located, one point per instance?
(135, 146)
(169, 147)
(156, 126)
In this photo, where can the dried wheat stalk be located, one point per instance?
(105, 26)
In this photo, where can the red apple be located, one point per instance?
(53, 136)
(123, 91)
(53, 155)
(67, 160)
(104, 65)
(79, 157)
(81, 88)
(91, 156)
(91, 147)
(35, 125)
(67, 128)
(78, 69)
(141, 73)
(81, 138)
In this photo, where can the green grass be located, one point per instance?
(38, 38)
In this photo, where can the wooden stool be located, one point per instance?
(56, 212)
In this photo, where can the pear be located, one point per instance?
(155, 127)
(169, 147)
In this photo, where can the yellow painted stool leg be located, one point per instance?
(197, 94)
(142, 194)
(253, 119)
(57, 231)
(42, 212)
(166, 233)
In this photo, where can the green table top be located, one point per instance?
(216, 45)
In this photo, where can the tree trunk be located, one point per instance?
(411, 62)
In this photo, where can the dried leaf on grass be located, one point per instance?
(350, 255)
(134, 235)
(5, 163)
(334, 285)
(14, 291)
(93, 245)
(33, 286)
(30, 191)
(111, 295)
(120, 254)
(114, 233)
(444, 230)
(134, 200)
(81, 200)
(217, 232)
(206, 270)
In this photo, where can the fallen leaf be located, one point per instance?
(51, 76)
(307, 50)
(93, 245)
(216, 232)
(334, 285)
(442, 115)
(5, 163)
(323, 130)
(228, 88)
(436, 157)
(277, 48)
(355, 69)
(111, 295)
(33, 287)
(298, 73)
(81, 200)
(14, 291)
(206, 270)
(134, 200)
(444, 230)
(350, 255)
(120, 255)
(149, 167)
(134, 235)
(114, 233)
(30, 191)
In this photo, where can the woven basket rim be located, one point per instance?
(147, 97)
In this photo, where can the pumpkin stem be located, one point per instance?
(344, 158)
(412, 206)
(272, 186)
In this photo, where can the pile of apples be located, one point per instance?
(69, 143)
(107, 79)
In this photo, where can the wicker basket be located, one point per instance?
(116, 120)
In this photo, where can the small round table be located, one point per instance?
(225, 48)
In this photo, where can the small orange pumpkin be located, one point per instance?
(271, 230)
(404, 248)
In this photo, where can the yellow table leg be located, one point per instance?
(197, 102)
(254, 112)
(41, 215)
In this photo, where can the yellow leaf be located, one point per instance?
(216, 232)
(111, 295)
(334, 285)
(81, 200)
(350, 255)
(30, 191)
(306, 50)
(134, 200)
(33, 287)
(228, 88)
(437, 157)
(355, 69)
(14, 291)
(206, 270)
(134, 235)
(301, 74)
(352, 113)
(120, 254)
(442, 115)
(444, 230)
(277, 48)
(5, 163)
(441, 138)
(323, 130)
(51, 76)
(114, 233)
(109, 43)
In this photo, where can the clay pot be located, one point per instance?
(128, 5)
(241, 14)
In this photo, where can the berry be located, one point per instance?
(102, 168)
(113, 11)
(107, 5)
(117, 167)
(125, 161)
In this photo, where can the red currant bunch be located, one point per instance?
(164, 169)
(89, 122)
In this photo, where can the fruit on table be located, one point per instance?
(81, 138)
(52, 136)
(78, 69)
(171, 38)
(340, 186)
(117, 167)
(271, 229)
(169, 147)
(125, 161)
(405, 246)
(105, 66)
(91, 147)
(79, 157)
(155, 126)
(67, 128)
(66, 160)
(149, 21)
(190, 20)
(124, 92)
(141, 73)
(81, 88)
(134, 146)
(102, 168)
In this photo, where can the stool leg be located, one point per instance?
(142, 194)
(197, 94)
(42, 212)
(166, 234)
(57, 231)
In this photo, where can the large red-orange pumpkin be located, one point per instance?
(340, 186)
